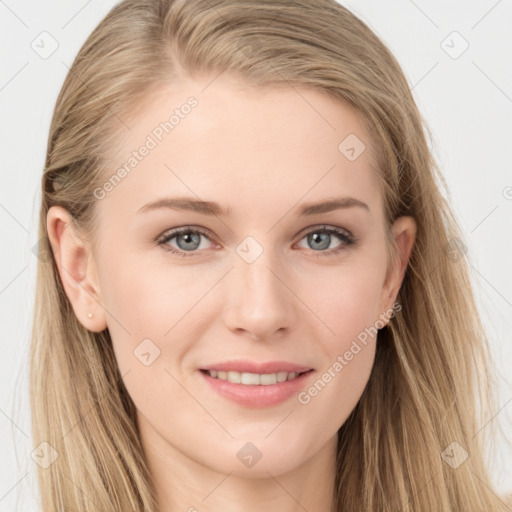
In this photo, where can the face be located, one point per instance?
(261, 276)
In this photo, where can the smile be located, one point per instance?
(253, 379)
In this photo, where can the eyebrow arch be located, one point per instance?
(330, 205)
(186, 204)
(212, 208)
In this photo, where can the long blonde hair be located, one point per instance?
(431, 384)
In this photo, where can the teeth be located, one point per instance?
(234, 377)
(253, 379)
(282, 376)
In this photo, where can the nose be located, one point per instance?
(260, 301)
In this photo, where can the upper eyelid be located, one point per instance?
(326, 227)
(184, 229)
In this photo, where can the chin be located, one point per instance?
(256, 459)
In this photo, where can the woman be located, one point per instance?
(190, 350)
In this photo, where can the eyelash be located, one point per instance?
(347, 238)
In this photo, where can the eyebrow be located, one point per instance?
(212, 208)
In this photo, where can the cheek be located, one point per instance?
(147, 298)
(334, 393)
(148, 318)
(349, 308)
(347, 303)
(156, 309)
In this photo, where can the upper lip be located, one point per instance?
(246, 366)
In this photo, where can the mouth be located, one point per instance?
(254, 379)
(256, 390)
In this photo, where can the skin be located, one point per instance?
(262, 152)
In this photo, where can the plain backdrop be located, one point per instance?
(457, 57)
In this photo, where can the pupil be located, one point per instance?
(189, 238)
(325, 236)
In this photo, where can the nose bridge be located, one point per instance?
(260, 302)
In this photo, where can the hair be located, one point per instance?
(432, 380)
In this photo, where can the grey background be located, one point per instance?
(465, 97)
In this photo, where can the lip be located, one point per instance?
(258, 396)
(254, 367)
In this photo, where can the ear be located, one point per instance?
(77, 269)
(404, 234)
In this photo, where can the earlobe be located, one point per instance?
(77, 270)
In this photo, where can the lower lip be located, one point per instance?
(257, 396)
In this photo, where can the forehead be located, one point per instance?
(221, 136)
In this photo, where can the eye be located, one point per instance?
(321, 237)
(187, 239)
